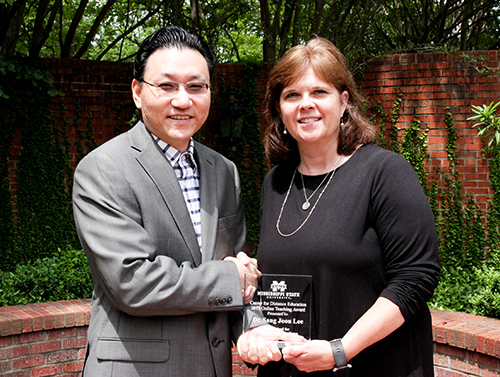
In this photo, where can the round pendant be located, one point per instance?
(306, 206)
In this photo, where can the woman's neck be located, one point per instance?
(318, 157)
(319, 163)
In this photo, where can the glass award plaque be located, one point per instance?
(283, 301)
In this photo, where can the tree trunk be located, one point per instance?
(268, 44)
(95, 26)
(41, 32)
(9, 29)
(68, 41)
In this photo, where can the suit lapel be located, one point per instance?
(154, 162)
(208, 199)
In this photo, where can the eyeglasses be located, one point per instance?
(170, 88)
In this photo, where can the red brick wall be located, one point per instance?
(465, 345)
(48, 339)
(45, 339)
(427, 82)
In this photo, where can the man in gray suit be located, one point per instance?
(161, 219)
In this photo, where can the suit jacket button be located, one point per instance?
(211, 302)
(223, 301)
(216, 342)
(229, 300)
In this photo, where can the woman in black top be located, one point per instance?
(352, 215)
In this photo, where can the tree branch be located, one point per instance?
(68, 41)
(95, 26)
(127, 32)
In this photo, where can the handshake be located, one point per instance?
(264, 343)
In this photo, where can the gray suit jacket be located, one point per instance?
(160, 308)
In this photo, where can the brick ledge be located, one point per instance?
(467, 331)
(29, 318)
(461, 330)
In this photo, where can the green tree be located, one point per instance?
(246, 30)
(406, 25)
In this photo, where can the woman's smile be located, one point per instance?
(311, 109)
(309, 120)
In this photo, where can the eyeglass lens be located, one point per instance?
(171, 87)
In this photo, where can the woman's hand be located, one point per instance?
(311, 356)
(259, 345)
(379, 321)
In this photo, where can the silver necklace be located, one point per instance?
(307, 204)
(310, 213)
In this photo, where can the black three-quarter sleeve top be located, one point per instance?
(371, 234)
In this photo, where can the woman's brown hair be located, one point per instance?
(330, 66)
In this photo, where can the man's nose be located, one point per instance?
(181, 98)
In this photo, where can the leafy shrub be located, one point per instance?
(64, 276)
(456, 286)
(486, 301)
(476, 293)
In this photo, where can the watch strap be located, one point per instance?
(339, 355)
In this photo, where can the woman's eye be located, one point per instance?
(320, 92)
(291, 95)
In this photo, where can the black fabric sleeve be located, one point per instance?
(406, 229)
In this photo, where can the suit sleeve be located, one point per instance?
(127, 267)
(241, 243)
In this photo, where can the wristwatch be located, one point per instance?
(339, 355)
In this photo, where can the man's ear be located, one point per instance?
(136, 93)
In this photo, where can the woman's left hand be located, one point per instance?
(260, 344)
(312, 356)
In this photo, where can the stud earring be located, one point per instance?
(341, 122)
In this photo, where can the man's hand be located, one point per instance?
(249, 274)
(259, 345)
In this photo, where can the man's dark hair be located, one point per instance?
(167, 37)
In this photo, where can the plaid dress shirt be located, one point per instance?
(187, 173)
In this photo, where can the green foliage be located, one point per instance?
(64, 276)
(254, 166)
(249, 153)
(243, 44)
(6, 134)
(468, 247)
(475, 291)
(456, 286)
(6, 218)
(461, 228)
(477, 62)
(486, 300)
(451, 227)
(413, 148)
(44, 215)
(488, 123)
(388, 124)
(493, 217)
(248, 31)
